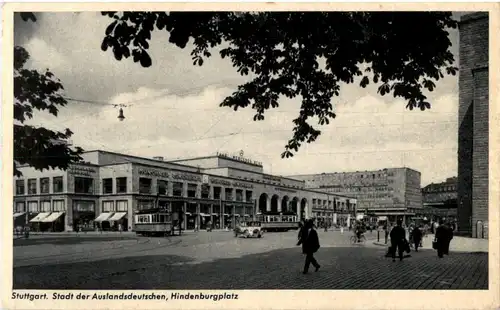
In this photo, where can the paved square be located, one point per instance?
(217, 260)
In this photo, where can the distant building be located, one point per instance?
(440, 200)
(387, 193)
(473, 128)
(109, 188)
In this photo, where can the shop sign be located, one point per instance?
(233, 184)
(243, 185)
(240, 158)
(280, 189)
(205, 179)
(87, 171)
(153, 173)
(220, 182)
(186, 177)
(271, 178)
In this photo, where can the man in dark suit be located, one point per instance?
(443, 236)
(310, 245)
(398, 237)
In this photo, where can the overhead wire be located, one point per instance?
(203, 136)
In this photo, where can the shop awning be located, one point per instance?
(382, 218)
(204, 214)
(216, 214)
(103, 217)
(225, 214)
(188, 213)
(17, 214)
(39, 217)
(117, 216)
(52, 217)
(247, 215)
(236, 215)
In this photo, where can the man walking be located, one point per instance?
(417, 237)
(443, 236)
(398, 235)
(310, 245)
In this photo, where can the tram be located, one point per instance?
(153, 222)
(278, 221)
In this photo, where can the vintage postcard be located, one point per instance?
(263, 156)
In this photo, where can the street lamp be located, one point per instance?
(120, 115)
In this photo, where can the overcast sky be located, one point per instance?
(179, 116)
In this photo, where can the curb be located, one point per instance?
(380, 244)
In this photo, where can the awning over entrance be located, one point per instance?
(382, 218)
(117, 216)
(103, 217)
(215, 214)
(52, 217)
(17, 214)
(204, 214)
(39, 217)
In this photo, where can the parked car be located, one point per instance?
(249, 229)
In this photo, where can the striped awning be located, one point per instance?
(117, 216)
(52, 217)
(18, 214)
(39, 217)
(103, 217)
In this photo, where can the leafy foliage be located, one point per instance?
(39, 147)
(403, 52)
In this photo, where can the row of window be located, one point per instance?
(349, 189)
(317, 214)
(145, 187)
(440, 189)
(43, 206)
(356, 176)
(86, 186)
(328, 204)
(110, 206)
(374, 196)
(43, 185)
(80, 206)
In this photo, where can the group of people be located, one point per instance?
(399, 243)
(308, 238)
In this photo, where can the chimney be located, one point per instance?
(160, 158)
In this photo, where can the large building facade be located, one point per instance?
(386, 193)
(440, 200)
(473, 125)
(107, 189)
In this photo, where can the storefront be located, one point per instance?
(205, 215)
(84, 215)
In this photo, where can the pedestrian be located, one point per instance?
(310, 245)
(448, 239)
(398, 238)
(442, 239)
(417, 237)
(301, 228)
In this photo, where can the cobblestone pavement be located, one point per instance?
(219, 261)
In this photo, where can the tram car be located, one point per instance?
(278, 221)
(153, 223)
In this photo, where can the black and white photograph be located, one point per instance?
(250, 150)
